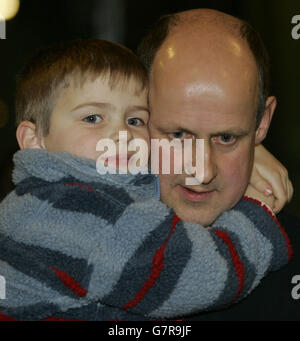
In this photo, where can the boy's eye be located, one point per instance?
(226, 139)
(92, 119)
(134, 121)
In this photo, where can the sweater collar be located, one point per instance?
(55, 166)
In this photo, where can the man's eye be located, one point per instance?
(177, 135)
(226, 139)
(93, 119)
(135, 121)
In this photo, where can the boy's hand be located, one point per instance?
(255, 194)
(270, 178)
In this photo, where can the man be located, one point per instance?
(209, 80)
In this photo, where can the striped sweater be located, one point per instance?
(76, 245)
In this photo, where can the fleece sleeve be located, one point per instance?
(121, 260)
(181, 268)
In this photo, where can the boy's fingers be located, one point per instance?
(254, 193)
(281, 198)
(263, 186)
(280, 192)
(260, 184)
(287, 183)
(290, 190)
(278, 205)
(287, 187)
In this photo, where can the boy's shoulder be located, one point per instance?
(58, 189)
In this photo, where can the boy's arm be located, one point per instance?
(144, 261)
(181, 268)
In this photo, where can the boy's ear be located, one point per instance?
(27, 136)
(265, 122)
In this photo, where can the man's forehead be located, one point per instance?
(202, 71)
(203, 98)
(202, 123)
(199, 48)
(209, 91)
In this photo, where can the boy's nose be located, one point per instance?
(122, 134)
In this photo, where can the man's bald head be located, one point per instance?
(214, 26)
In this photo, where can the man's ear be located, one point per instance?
(27, 136)
(265, 122)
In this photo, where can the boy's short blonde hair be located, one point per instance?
(53, 68)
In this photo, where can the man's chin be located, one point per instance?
(203, 218)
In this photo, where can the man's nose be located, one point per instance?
(203, 162)
(210, 169)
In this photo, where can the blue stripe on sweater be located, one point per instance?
(37, 262)
(176, 256)
(261, 220)
(98, 312)
(32, 312)
(104, 201)
(134, 277)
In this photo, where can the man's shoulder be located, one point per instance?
(291, 225)
(276, 297)
(289, 221)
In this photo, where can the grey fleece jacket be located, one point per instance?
(78, 245)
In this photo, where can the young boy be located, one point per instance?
(75, 244)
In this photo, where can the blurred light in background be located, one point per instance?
(9, 8)
(4, 114)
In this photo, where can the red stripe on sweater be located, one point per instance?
(81, 186)
(286, 237)
(6, 317)
(157, 267)
(70, 282)
(237, 263)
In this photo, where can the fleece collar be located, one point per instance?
(55, 166)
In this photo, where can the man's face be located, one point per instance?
(217, 105)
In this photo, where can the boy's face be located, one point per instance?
(85, 114)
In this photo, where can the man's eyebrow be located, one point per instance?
(231, 131)
(101, 105)
(234, 132)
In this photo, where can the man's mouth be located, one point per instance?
(193, 195)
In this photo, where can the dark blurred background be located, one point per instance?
(42, 22)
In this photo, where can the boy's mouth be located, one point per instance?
(116, 160)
